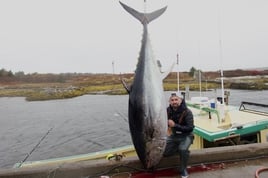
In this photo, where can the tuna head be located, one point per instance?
(147, 105)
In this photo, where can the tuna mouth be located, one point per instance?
(155, 150)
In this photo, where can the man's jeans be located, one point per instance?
(179, 144)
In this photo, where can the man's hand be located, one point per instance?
(171, 123)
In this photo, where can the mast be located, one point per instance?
(220, 56)
(222, 105)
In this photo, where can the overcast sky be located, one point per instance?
(87, 36)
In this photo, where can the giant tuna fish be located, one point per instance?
(147, 104)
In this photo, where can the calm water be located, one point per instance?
(80, 125)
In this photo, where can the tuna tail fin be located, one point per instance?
(144, 18)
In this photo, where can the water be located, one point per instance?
(80, 125)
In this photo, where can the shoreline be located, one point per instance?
(38, 90)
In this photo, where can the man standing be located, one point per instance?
(181, 124)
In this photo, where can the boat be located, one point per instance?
(219, 124)
(224, 125)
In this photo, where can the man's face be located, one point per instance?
(175, 101)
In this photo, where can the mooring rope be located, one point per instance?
(258, 171)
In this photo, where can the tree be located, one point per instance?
(5, 73)
(192, 71)
(10, 73)
(19, 74)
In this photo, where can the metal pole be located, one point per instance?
(200, 87)
(220, 55)
(178, 73)
(113, 66)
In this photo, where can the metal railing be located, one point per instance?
(256, 108)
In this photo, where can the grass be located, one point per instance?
(111, 84)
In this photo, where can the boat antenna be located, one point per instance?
(222, 105)
(113, 66)
(200, 82)
(220, 54)
(178, 73)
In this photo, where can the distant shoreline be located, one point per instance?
(38, 87)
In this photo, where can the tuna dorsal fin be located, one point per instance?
(144, 18)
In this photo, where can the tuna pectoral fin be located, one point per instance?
(144, 17)
(165, 74)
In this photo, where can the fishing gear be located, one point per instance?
(34, 148)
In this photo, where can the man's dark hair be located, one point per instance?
(173, 94)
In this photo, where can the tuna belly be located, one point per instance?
(149, 144)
